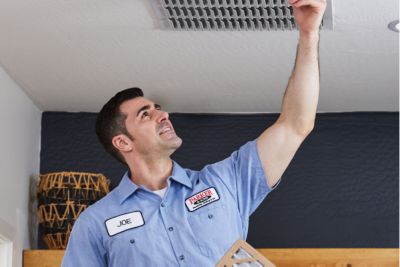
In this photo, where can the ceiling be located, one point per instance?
(71, 55)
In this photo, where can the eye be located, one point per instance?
(145, 114)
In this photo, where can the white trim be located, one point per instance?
(7, 235)
(6, 252)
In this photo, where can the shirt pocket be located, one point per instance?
(133, 246)
(213, 230)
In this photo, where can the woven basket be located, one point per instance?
(62, 196)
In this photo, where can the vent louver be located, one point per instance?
(226, 14)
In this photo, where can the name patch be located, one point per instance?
(124, 222)
(201, 199)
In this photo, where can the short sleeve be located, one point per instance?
(242, 173)
(84, 247)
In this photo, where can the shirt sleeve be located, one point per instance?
(84, 247)
(243, 175)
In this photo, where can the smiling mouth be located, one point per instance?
(166, 130)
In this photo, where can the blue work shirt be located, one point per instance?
(200, 217)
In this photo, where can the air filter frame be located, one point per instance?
(230, 15)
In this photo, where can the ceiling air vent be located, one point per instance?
(197, 15)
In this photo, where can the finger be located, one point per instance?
(313, 3)
(293, 1)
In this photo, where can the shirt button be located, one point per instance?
(132, 241)
(181, 257)
(210, 216)
(171, 229)
(162, 205)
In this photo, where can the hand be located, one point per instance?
(308, 14)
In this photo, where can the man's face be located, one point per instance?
(150, 127)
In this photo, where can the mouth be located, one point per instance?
(167, 129)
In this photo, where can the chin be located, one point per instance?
(175, 144)
(178, 142)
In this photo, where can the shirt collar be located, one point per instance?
(127, 187)
(179, 175)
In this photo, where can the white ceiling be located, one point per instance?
(73, 55)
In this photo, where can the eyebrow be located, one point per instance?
(146, 107)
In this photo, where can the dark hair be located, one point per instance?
(111, 121)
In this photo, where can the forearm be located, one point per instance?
(300, 100)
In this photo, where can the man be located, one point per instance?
(164, 215)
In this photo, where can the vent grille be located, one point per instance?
(225, 14)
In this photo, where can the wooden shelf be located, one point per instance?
(319, 257)
(369, 257)
(42, 258)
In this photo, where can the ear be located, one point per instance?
(122, 143)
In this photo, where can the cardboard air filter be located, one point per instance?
(241, 254)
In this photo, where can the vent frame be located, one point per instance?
(230, 15)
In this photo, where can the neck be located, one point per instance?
(151, 173)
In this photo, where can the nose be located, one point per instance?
(162, 116)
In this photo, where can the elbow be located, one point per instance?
(304, 129)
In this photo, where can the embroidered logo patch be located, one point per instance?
(201, 199)
(124, 222)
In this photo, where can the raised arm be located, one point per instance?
(278, 143)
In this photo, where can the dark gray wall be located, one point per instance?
(340, 190)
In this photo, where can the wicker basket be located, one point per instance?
(62, 196)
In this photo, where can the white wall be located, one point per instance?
(20, 124)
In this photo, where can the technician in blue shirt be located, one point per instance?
(164, 215)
